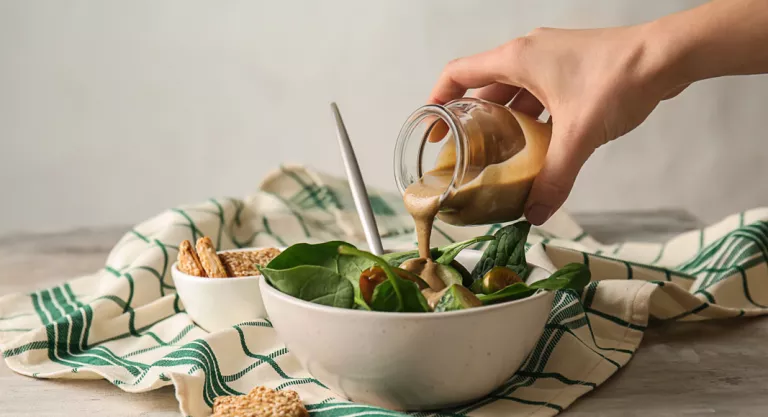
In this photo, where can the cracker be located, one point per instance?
(243, 264)
(189, 263)
(260, 402)
(211, 263)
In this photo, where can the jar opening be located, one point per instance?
(414, 138)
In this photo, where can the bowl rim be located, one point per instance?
(391, 314)
(348, 311)
(208, 280)
(267, 288)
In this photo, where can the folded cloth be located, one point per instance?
(125, 323)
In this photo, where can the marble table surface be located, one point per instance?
(717, 368)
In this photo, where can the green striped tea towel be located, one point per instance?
(124, 322)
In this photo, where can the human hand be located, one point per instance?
(597, 85)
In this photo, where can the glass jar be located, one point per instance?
(484, 156)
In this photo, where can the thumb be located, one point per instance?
(567, 153)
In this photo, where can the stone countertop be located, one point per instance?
(715, 368)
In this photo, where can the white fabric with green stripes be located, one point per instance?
(124, 323)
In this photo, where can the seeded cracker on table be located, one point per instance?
(260, 402)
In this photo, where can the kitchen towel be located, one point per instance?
(125, 323)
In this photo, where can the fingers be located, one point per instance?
(566, 155)
(527, 103)
(438, 132)
(497, 93)
(493, 72)
(522, 101)
(463, 74)
(517, 98)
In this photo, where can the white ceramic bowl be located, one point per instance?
(219, 303)
(411, 361)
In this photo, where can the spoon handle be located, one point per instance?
(356, 183)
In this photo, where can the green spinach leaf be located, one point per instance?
(513, 292)
(457, 297)
(322, 254)
(573, 276)
(476, 286)
(506, 249)
(312, 283)
(443, 255)
(326, 261)
(398, 294)
(385, 298)
(449, 253)
(397, 258)
(350, 267)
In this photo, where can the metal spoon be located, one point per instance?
(356, 183)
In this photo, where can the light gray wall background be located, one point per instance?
(112, 111)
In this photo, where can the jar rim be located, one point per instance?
(454, 126)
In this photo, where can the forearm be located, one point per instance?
(720, 38)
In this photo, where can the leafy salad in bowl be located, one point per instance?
(338, 274)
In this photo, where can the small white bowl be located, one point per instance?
(411, 361)
(220, 303)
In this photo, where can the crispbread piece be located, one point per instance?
(260, 402)
(243, 264)
(189, 263)
(211, 263)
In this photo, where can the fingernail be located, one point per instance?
(537, 214)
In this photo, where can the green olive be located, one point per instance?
(498, 278)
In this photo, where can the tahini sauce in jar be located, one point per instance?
(489, 157)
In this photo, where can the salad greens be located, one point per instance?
(444, 255)
(457, 297)
(572, 276)
(511, 293)
(449, 253)
(312, 273)
(394, 294)
(506, 249)
(340, 275)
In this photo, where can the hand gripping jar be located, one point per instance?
(480, 157)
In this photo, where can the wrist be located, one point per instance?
(719, 38)
(667, 57)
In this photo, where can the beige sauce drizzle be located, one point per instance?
(425, 268)
(433, 297)
(493, 189)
